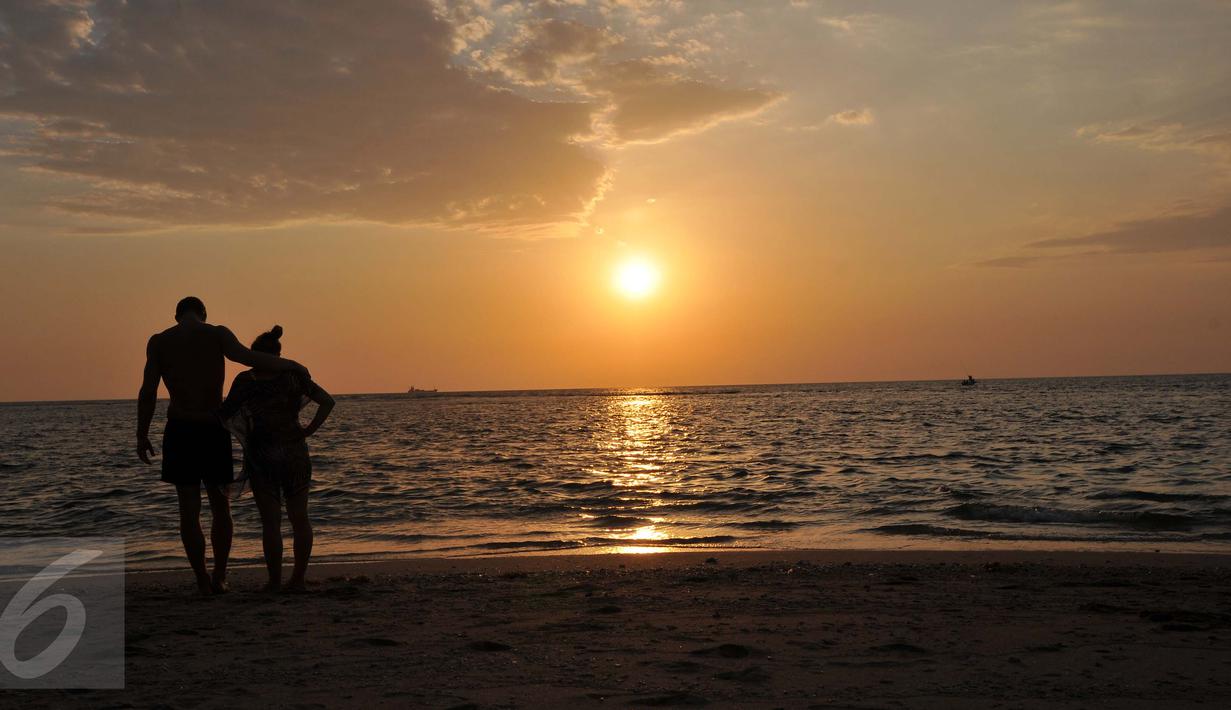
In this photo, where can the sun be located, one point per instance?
(636, 278)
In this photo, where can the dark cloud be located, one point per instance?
(239, 112)
(642, 100)
(1174, 233)
(650, 104)
(230, 111)
(1183, 232)
(1205, 129)
(1010, 262)
(546, 45)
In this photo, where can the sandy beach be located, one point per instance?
(724, 629)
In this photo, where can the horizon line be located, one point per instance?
(662, 387)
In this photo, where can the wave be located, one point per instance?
(665, 542)
(947, 456)
(766, 525)
(587, 486)
(1155, 496)
(1148, 520)
(531, 545)
(924, 530)
(962, 493)
(526, 544)
(617, 521)
(928, 530)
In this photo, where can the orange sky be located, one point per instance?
(437, 194)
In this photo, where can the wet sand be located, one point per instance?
(724, 629)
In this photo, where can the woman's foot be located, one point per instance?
(295, 586)
(205, 587)
(272, 587)
(219, 586)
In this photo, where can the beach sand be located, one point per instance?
(789, 629)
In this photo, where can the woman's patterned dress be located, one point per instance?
(264, 415)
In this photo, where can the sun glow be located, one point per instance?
(636, 278)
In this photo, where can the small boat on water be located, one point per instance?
(415, 392)
(970, 381)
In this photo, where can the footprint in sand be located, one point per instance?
(726, 650)
(371, 641)
(608, 609)
(902, 648)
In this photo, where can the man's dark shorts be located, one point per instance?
(196, 452)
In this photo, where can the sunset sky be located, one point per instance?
(440, 194)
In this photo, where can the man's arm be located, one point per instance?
(146, 399)
(236, 352)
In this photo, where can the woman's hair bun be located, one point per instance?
(270, 341)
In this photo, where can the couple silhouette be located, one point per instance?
(261, 410)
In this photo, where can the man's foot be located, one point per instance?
(272, 587)
(295, 586)
(205, 587)
(219, 583)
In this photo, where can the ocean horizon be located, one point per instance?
(666, 389)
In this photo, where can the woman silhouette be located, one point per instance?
(262, 410)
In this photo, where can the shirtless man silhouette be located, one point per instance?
(188, 357)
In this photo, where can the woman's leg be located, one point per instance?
(297, 511)
(271, 535)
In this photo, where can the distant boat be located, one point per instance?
(970, 381)
(415, 392)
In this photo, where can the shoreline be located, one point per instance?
(558, 561)
(248, 553)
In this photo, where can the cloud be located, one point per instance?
(1188, 225)
(1010, 262)
(853, 117)
(226, 112)
(1211, 138)
(1208, 230)
(545, 46)
(236, 112)
(862, 30)
(1069, 22)
(649, 104)
(1169, 233)
(645, 99)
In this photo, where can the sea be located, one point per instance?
(1136, 463)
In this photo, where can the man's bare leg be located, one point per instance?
(191, 535)
(220, 531)
(271, 536)
(297, 511)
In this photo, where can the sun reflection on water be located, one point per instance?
(637, 438)
(636, 435)
(647, 532)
